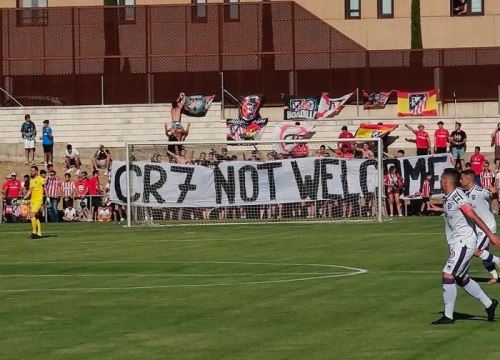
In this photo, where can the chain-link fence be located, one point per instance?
(147, 54)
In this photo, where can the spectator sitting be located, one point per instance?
(28, 133)
(300, 150)
(84, 213)
(102, 159)
(104, 213)
(342, 152)
(72, 158)
(47, 143)
(70, 214)
(400, 154)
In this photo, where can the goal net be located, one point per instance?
(202, 182)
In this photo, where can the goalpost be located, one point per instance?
(250, 182)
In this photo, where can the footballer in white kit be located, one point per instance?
(480, 200)
(460, 227)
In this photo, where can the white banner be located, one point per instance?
(237, 183)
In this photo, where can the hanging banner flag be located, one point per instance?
(197, 105)
(290, 131)
(240, 130)
(329, 107)
(240, 183)
(303, 108)
(374, 131)
(417, 103)
(375, 100)
(249, 125)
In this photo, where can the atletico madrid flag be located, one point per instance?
(417, 103)
(374, 131)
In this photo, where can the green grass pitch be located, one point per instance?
(99, 291)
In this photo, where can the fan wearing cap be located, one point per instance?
(422, 139)
(12, 187)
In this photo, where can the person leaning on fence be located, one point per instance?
(28, 133)
(102, 159)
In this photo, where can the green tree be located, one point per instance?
(416, 29)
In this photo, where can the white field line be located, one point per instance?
(353, 271)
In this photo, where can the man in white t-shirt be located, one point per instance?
(461, 222)
(70, 214)
(72, 159)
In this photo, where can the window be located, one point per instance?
(467, 7)
(199, 11)
(232, 10)
(32, 13)
(385, 9)
(127, 14)
(353, 9)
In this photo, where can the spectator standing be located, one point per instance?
(47, 143)
(25, 184)
(94, 191)
(28, 133)
(72, 158)
(102, 159)
(495, 141)
(68, 190)
(223, 156)
(441, 139)
(422, 139)
(393, 183)
(366, 152)
(477, 161)
(458, 145)
(425, 192)
(346, 134)
(11, 188)
(53, 190)
(82, 188)
(487, 177)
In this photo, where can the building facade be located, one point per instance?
(374, 24)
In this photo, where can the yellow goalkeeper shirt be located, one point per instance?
(36, 187)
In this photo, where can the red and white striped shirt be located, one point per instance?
(425, 192)
(487, 178)
(53, 187)
(68, 188)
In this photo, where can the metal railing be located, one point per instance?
(82, 55)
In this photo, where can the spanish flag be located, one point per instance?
(417, 103)
(373, 131)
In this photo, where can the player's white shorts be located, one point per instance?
(482, 241)
(459, 259)
(29, 144)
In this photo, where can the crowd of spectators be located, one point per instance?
(85, 198)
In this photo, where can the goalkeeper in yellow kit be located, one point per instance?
(36, 191)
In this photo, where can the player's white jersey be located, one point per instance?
(481, 203)
(459, 228)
